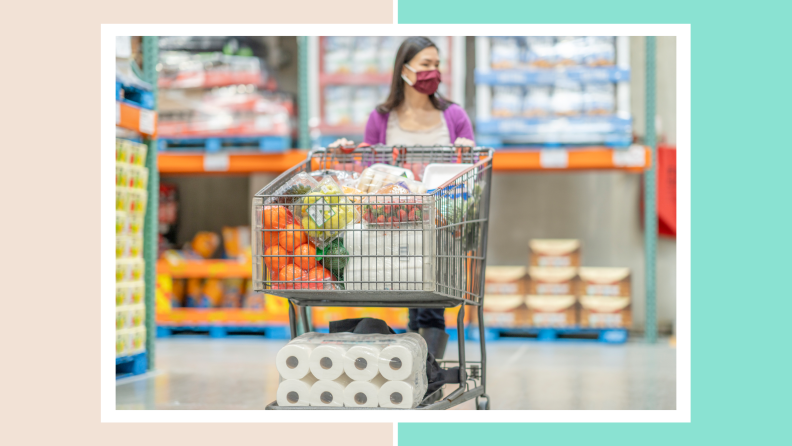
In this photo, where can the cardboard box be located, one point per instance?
(544, 281)
(504, 298)
(504, 281)
(551, 311)
(554, 252)
(605, 311)
(605, 281)
(507, 311)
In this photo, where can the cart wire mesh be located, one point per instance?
(323, 246)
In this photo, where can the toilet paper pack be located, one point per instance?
(351, 369)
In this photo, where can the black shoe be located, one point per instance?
(436, 340)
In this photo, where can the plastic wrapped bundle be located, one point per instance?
(353, 370)
(383, 259)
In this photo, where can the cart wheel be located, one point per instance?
(483, 404)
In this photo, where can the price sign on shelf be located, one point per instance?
(146, 124)
(635, 156)
(554, 159)
(215, 162)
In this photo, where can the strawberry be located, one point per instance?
(411, 216)
(381, 219)
(402, 216)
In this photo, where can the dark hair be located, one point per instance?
(408, 49)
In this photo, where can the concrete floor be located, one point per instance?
(196, 372)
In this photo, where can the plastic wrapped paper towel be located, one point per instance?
(359, 368)
(400, 259)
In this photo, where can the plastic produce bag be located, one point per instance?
(325, 211)
(341, 177)
(353, 370)
(298, 185)
(374, 179)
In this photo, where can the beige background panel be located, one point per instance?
(56, 178)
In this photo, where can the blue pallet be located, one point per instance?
(131, 365)
(605, 335)
(222, 331)
(217, 144)
(134, 95)
(538, 76)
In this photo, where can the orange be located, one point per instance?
(305, 263)
(276, 217)
(289, 273)
(270, 237)
(291, 239)
(320, 274)
(275, 264)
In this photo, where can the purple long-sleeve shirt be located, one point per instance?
(457, 120)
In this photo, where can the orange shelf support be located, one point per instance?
(592, 158)
(195, 163)
(514, 160)
(136, 119)
(214, 269)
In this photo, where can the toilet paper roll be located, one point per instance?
(327, 361)
(364, 393)
(295, 392)
(397, 362)
(396, 394)
(329, 393)
(294, 360)
(361, 362)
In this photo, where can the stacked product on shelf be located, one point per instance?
(605, 297)
(353, 370)
(131, 181)
(553, 91)
(552, 282)
(504, 297)
(220, 98)
(354, 77)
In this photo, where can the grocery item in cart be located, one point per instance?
(341, 177)
(298, 185)
(295, 392)
(347, 369)
(384, 259)
(325, 211)
(374, 179)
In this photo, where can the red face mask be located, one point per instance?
(426, 82)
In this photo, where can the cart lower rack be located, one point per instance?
(388, 242)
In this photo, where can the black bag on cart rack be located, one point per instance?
(436, 375)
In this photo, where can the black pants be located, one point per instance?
(426, 318)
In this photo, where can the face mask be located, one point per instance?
(426, 82)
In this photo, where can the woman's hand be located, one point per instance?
(343, 142)
(463, 142)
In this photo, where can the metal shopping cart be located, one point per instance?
(422, 249)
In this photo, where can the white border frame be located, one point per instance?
(108, 384)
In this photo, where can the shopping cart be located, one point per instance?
(416, 250)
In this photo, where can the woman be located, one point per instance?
(415, 114)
